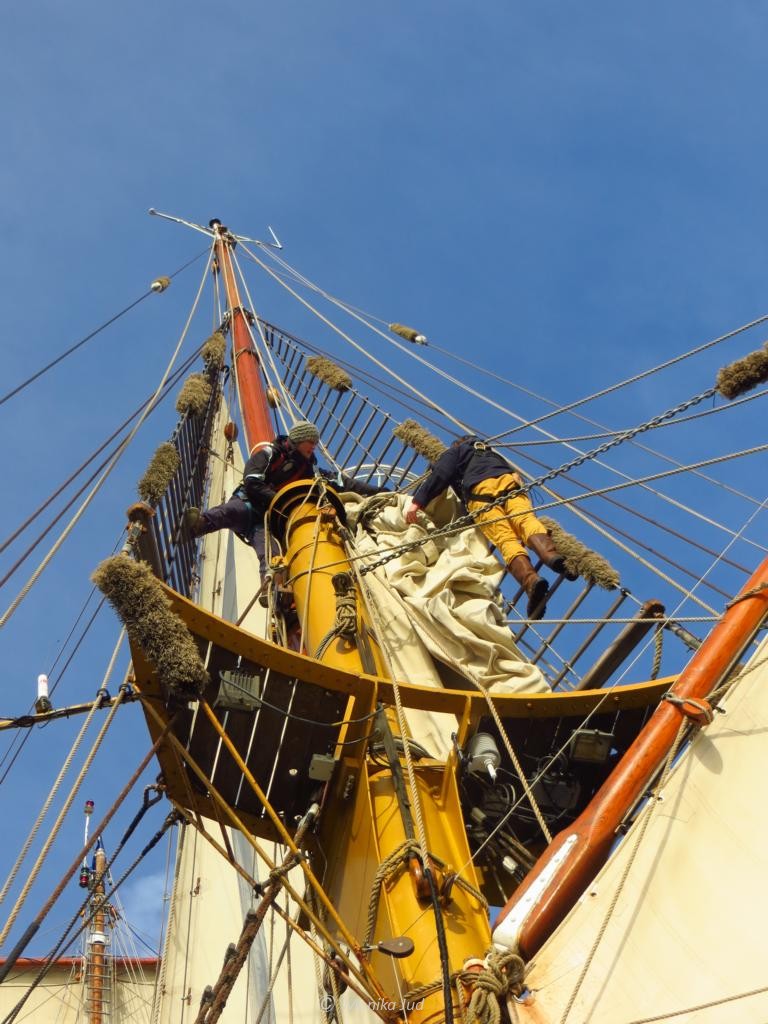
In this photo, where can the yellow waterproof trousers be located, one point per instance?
(507, 526)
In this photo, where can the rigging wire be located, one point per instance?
(65, 939)
(671, 501)
(173, 380)
(409, 351)
(355, 344)
(98, 330)
(97, 703)
(616, 438)
(97, 486)
(668, 499)
(465, 522)
(32, 875)
(266, 351)
(32, 930)
(384, 387)
(631, 511)
(554, 439)
(699, 414)
(58, 679)
(610, 690)
(667, 559)
(166, 926)
(592, 455)
(286, 839)
(641, 376)
(182, 754)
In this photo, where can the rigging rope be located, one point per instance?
(275, 970)
(58, 679)
(304, 906)
(161, 974)
(30, 519)
(466, 521)
(356, 345)
(554, 439)
(649, 520)
(700, 1006)
(152, 290)
(18, 949)
(405, 739)
(640, 376)
(54, 790)
(123, 446)
(654, 801)
(181, 753)
(211, 1008)
(32, 876)
(605, 696)
(669, 500)
(280, 827)
(98, 906)
(524, 423)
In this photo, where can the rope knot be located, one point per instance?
(502, 971)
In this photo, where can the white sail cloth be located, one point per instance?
(441, 592)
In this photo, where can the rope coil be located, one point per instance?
(503, 971)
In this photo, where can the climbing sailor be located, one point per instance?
(271, 467)
(478, 475)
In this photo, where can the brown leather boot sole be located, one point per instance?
(537, 600)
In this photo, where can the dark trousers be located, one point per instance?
(239, 517)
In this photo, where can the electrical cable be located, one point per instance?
(298, 718)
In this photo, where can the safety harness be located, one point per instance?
(482, 448)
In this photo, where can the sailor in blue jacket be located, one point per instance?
(478, 475)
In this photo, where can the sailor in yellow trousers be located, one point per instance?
(478, 474)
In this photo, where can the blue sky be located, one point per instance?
(566, 193)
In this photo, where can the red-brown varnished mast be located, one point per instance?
(257, 421)
(576, 855)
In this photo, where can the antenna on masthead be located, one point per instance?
(214, 225)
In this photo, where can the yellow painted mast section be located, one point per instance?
(363, 822)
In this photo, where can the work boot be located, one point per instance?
(193, 522)
(544, 548)
(534, 586)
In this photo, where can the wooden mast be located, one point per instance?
(257, 421)
(97, 943)
(576, 855)
(364, 821)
